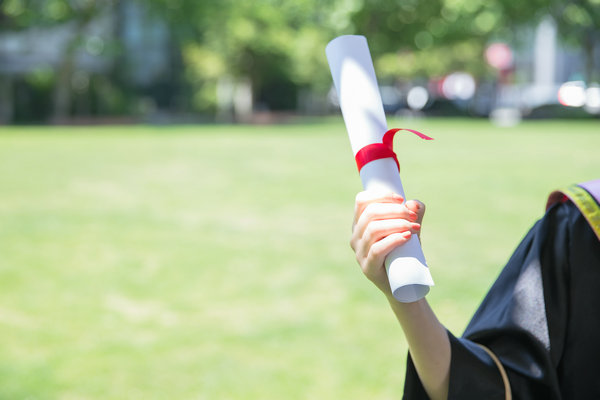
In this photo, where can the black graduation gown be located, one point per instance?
(541, 318)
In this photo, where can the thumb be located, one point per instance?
(417, 207)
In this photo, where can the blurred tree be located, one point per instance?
(240, 55)
(258, 51)
(411, 38)
(81, 13)
(579, 23)
(25, 14)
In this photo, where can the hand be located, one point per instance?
(382, 222)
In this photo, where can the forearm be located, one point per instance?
(382, 223)
(428, 343)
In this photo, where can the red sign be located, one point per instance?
(499, 56)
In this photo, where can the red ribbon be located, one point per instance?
(377, 151)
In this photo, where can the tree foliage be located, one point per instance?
(579, 23)
(22, 14)
(278, 45)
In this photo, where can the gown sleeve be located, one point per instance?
(536, 319)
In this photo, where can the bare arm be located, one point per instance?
(428, 343)
(381, 223)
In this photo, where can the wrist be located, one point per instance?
(408, 311)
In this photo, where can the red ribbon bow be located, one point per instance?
(376, 151)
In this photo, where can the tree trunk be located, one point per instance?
(243, 100)
(62, 90)
(6, 100)
(588, 48)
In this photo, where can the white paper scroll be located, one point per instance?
(360, 102)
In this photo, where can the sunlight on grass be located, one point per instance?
(213, 262)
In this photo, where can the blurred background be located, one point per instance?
(159, 61)
(177, 185)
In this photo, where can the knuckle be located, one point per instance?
(361, 200)
(376, 251)
(360, 197)
(369, 232)
(353, 243)
(370, 211)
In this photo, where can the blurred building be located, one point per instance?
(88, 69)
(539, 69)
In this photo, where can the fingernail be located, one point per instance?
(412, 216)
(416, 227)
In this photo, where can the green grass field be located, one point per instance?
(212, 262)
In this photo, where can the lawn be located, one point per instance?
(212, 262)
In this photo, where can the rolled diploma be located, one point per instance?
(356, 85)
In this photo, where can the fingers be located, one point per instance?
(377, 230)
(377, 253)
(374, 210)
(378, 215)
(417, 207)
(363, 199)
(382, 222)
